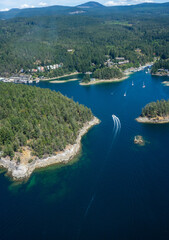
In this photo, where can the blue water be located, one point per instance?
(113, 189)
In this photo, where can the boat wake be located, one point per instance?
(115, 133)
(117, 126)
(89, 205)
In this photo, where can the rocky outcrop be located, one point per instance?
(20, 171)
(161, 74)
(139, 140)
(156, 120)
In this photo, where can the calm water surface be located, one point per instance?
(113, 189)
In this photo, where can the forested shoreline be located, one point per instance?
(41, 119)
(161, 67)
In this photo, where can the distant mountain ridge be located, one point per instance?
(90, 4)
(88, 8)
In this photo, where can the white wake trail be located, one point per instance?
(116, 131)
(117, 126)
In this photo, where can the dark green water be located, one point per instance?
(113, 189)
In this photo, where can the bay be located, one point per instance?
(113, 189)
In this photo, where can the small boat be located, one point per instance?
(132, 83)
(125, 94)
(143, 85)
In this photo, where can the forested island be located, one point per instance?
(50, 42)
(39, 127)
(155, 112)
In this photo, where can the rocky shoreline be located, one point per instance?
(161, 74)
(23, 171)
(166, 83)
(158, 120)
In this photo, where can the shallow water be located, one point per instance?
(113, 189)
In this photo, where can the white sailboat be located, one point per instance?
(143, 85)
(132, 83)
(125, 94)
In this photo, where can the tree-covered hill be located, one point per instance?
(91, 4)
(42, 119)
(132, 32)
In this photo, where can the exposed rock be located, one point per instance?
(139, 140)
(156, 120)
(20, 171)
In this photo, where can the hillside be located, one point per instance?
(82, 39)
(161, 68)
(37, 121)
(26, 43)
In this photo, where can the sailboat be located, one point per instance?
(125, 94)
(132, 83)
(143, 85)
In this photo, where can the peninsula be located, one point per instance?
(155, 112)
(39, 127)
(97, 81)
(61, 77)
